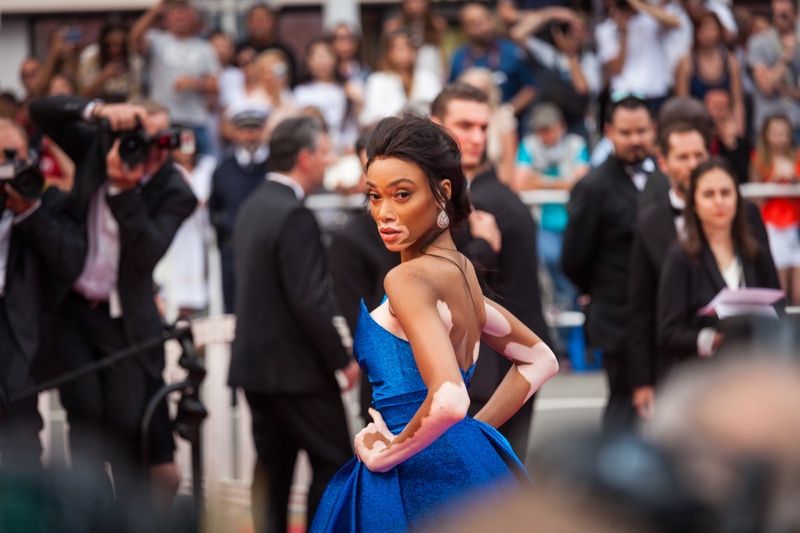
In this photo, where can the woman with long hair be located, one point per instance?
(777, 160)
(422, 458)
(324, 89)
(346, 42)
(397, 86)
(107, 70)
(427, 31)
(710, 65)
(718, 251)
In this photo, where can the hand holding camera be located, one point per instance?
(21, 180)
(120, 175)
(120, 117)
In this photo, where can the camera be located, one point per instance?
(23, 175)
(134, 146)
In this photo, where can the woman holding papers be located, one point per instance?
(718, 252)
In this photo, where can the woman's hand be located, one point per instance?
(372, 441)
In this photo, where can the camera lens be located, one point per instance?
(133, 148)
(28, 182)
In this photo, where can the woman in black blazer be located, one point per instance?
(716, 251)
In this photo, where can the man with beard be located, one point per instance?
(597, 245)
(501, 240)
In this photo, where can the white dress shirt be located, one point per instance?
(289, 182)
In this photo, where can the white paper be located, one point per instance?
(739, 302)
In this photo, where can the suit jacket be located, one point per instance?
(359, 263)
(686, 285)
(655, 234)
(285, 340)
(28, 299)
(602, 210)
(148, 217)
(511, 277)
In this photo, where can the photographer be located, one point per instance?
(25, 296)
(128, 200)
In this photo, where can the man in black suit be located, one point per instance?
(287, 355)
(359, 263)
(682, 146)
(25, 303)
(501, 240)
(597, 246)
(126, 218)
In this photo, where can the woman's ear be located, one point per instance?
(447, 187)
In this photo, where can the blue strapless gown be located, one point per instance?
(464, 467)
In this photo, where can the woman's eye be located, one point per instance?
(403, 194)
(372, 197)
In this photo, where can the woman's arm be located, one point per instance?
(676, 331)
(415, 302)
(682, 75)
(534, 363)
(737, 94)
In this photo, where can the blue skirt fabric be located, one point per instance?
(468, 464)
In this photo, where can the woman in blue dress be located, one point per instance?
(422, 459)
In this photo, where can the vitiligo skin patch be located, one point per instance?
(381, 451)
(496, 324)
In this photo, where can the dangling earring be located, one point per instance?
(442, 220)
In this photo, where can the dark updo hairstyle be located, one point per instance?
(743, 240)
(418, 141)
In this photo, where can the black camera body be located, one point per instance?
(23, 175)
(134, 145)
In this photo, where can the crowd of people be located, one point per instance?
(161, 140)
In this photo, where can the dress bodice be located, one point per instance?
(388, 363)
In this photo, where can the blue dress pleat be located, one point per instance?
(466, 466)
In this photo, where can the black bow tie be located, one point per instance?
(675, 211)
(636, 168)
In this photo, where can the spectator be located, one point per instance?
(677, 41)
(324, 90)
(346, 42)
(183, 67)
(286, 350)
(60, 69)
(598, 238)
(501, 133)
(711, 66)
(230, 82)
(107, 70)
(182, 273)
(396, 86)
(721, 8)
(237, 176)
(510, 12)
(718, 252)
(774, 57)
(486, 49)
(272, 69)
(777, 160)
(262, 35)
(568, 74)
(30, 72)
(427, 31)
(125, 218)
(630, 45)
(726, 141)
(551, 158)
